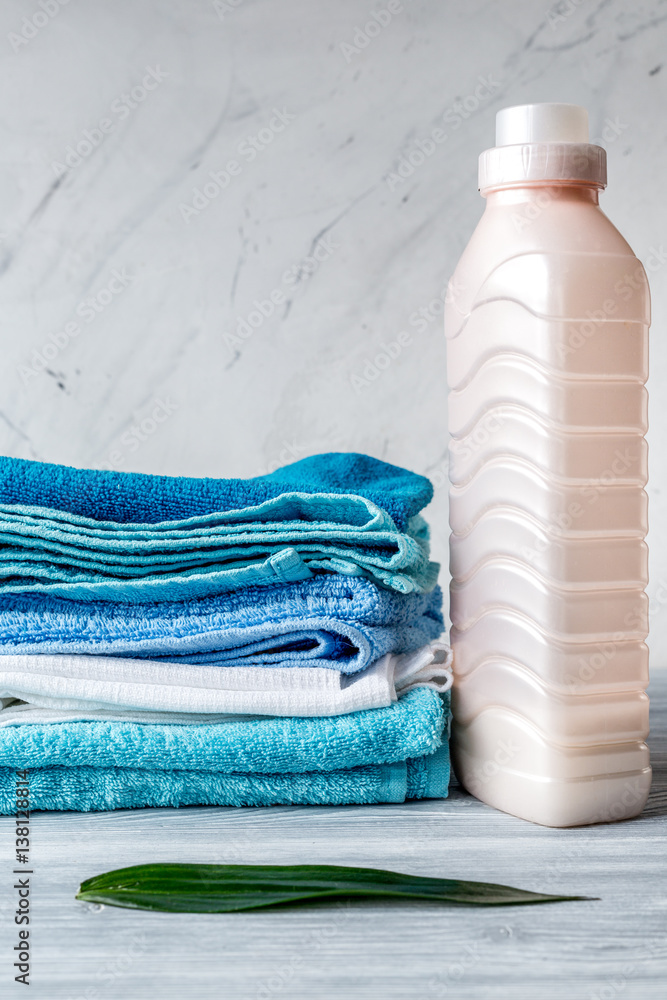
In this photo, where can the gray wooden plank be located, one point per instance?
(613, 947)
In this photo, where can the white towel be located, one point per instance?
(67, 688)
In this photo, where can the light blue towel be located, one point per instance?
(46, 550)
(87, 789)
(411, 727)
(330, 621)
(375, 755)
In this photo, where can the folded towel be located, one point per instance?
(378, 755)
(50, 551)
(88, 534)
(133, 497)
(342, 623)
(411, 727)
(88, 789)
(69, 688)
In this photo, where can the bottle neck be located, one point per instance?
(542, 194)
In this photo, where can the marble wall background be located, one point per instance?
(128, 300)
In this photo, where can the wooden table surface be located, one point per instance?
(616, 947)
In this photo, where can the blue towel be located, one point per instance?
(285, 539)
(86, 789)
(377, 755)
(329, 621)
(133, 497)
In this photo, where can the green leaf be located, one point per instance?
(178, 888)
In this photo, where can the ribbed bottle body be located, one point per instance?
(547, 355)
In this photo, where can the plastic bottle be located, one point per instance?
(547, 321)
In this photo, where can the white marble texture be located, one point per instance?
(238, 408)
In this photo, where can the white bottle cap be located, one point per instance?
(541, 145)
(541, 123)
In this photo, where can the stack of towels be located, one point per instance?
(169, 641)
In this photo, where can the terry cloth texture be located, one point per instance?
(150, 625)
(91, 534)
(344, 623)
(134, 497)
(362, 757)
(411, 727)
(285, 539)
(86, 789)
(67, 688)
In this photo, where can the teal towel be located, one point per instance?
(86, 534)
(410, 727)
(286, 539)
(378, 755)
(88, 789)
(134, 497)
